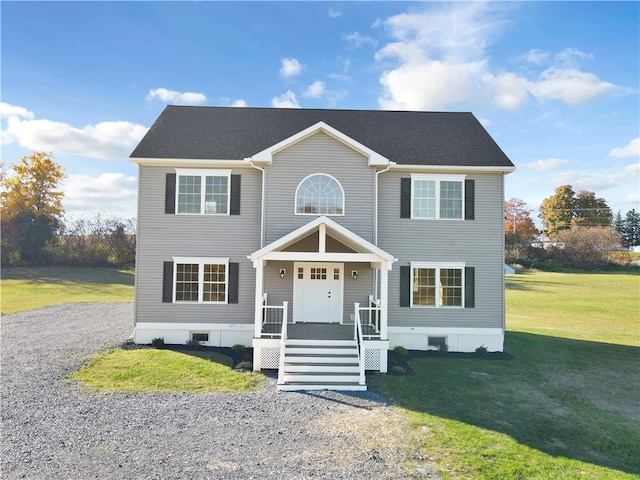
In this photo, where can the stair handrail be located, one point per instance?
(361, 346)
(283, 342)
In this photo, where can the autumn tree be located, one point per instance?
(587, 247)
(519, 230)
(565, 209)
(591, 211)
(31, 207)
(557, 210)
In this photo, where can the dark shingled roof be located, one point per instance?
(409, 138)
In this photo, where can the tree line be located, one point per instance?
(579, 231)
(35, 230)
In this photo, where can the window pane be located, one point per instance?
(320, 194)
(424, 287)
(186, 282)
(214, 285)
(450, 199)
(189, 189)
(451, 287)
(216, 195)
(424, 199)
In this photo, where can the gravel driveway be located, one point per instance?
(52, 429)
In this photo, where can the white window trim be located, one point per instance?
(437, 266)
(203, 173)
(344, 198)
(201, 261)
(438, 179)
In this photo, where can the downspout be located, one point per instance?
(262, 208)
(375, 218)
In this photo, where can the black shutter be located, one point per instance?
(405, 198)
(170, 194)
(167, 282)
(469, 199)
(405, 286)
(469, 287)
(233, 283)
(234, 208)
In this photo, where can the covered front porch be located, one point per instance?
(319, 284)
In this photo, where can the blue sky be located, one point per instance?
(556, 84)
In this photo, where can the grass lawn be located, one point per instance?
(566, 406)
(29, 288)
(151, 370)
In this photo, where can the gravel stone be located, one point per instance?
(52, 429)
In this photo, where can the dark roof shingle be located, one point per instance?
(404, 137)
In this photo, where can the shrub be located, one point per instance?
(481, 350)
(157, 342)
(398, 370)
(400, 351)
(443, 348)
(238, 348)
(195, 344)
(244, 366)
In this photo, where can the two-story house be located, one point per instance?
(322, 238)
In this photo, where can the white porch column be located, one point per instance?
(259, 266)
(384, 296)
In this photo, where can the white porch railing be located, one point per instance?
(368, 319)
(283, 341)
(273, 318)
(362, 354)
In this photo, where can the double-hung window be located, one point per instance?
(203, 191)
(437, 285)
(201, 280)
(437, 196)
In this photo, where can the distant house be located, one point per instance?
(321, 238)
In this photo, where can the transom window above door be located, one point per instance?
(319, 194)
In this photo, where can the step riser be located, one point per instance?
(320, 351)
(312, 343)
(355, 369)
(320, 378)
(315, 360)
(344, 388)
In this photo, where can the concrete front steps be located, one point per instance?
(321, 365)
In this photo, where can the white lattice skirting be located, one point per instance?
(269, 357)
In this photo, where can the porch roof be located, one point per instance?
(364, 251)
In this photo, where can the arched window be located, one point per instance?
(319, 194)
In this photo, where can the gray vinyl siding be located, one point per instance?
(319, 153)
(162, 236)
(478, 243)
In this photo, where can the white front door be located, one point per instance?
(317, 292)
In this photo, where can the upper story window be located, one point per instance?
(203, 191)
(320, 194)
(437, 196)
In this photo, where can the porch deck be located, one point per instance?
(317, 331)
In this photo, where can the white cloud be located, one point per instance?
(571, 86)
(239, 103)
(334, 13)
(430, 65)
(591, 181)
(290, 67)
(544, 165)
(108, 140)
(175, 97)
(358, 40)
(7, 111)
(286, 100)
(633, 170)
(632, 149)
(315, 90)
(535, 56)
(84, 193)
